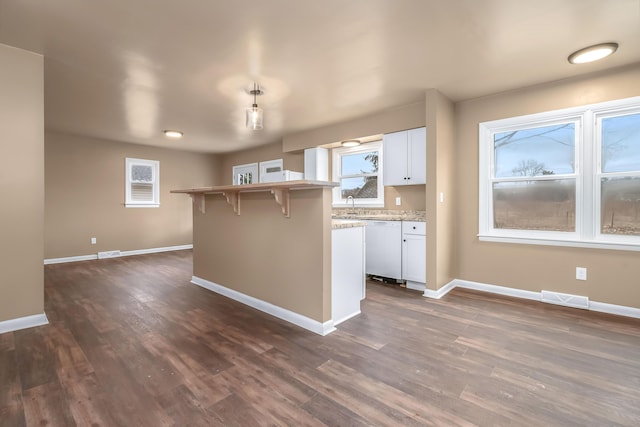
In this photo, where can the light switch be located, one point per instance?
(398, 201)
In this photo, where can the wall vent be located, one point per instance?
(108, 254)
(576, 301)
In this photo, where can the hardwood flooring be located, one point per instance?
(132, 343)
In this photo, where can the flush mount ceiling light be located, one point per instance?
(592, 53)
(350, 143)
(254, 113)
(172, 133)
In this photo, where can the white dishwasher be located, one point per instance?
(383, 241)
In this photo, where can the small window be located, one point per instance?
(142, 183)
(359, 172)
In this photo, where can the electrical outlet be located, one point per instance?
(398, 201)
(581, 273)
(94, 240)
(441, 197)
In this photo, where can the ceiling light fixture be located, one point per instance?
(254, 113)
(350, 143)
(592, 53)
(172, 133)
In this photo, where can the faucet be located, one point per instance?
(353, 204)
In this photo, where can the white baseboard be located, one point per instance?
(620, 310)
(70, 259)
(23, 323)
(274, 310)
(156, 250)
(494, 289)
(344, 319)
(121, 253)
(575, 301)
(440, 292)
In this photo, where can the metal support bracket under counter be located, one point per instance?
(232, 193)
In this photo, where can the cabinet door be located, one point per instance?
(395, 154)
(417, 172)
(414, 258)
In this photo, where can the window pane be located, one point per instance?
(547, 150)
(620, 206)
(359, 188)
(141, 173)
(359, 163)
(535, 205)
(621, 143)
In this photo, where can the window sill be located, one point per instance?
(620, 246)
(138, 205)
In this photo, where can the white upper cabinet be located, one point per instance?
(405, 157)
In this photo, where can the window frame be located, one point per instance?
(587, 172)
(336, 167)
(155, 167)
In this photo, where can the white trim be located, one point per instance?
(266, 307)
(138, 205)
(575, 301)
(429, 293)
(123, 253)
(620, 310)
(23, 323)
(554, 242)
(344, 319)
(70, 259)
(156, 250)
(494, 289)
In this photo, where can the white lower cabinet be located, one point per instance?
(414, 254)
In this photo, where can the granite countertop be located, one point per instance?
(379, 215)
(346, 223)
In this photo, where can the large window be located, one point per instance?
(142, 183)
(359, 172)
(569, 177)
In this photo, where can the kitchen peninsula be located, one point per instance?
(270, 246)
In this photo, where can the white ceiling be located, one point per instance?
(126, 70)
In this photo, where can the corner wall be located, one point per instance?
(21, 183)
(85, 194)
(612, 274)
(441, 179)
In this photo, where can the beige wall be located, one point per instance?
(405, 117)
(612, 274)
(441, 178)
(85, 191)
(260, 253)
(21, 183)
(412, 198)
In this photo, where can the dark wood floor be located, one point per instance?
(132, 343)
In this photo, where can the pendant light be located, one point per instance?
(254, 113)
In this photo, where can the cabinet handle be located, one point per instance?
(404, 240)
(414, 227)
